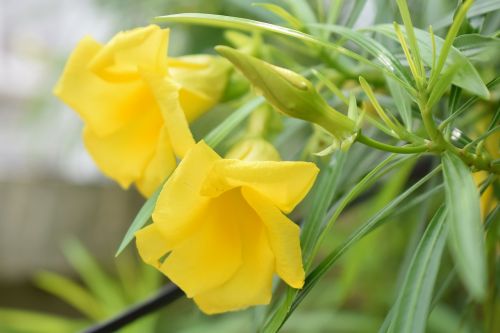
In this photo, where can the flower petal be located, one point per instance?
(203, 79)
(180, 203)
(166, 92)
(124, 154)
(159, 167)
(284, 237)
(252, 283)
(141, 48)
(283, 183)
(151, 245)
(105, 107)
(212, 255)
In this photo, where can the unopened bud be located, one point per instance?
(290, 93)
(255, 149)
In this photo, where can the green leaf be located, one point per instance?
(213, 139)
(103, 287)
(403, 102)
(477, 9)
(357, 8)
(477, 47)
(409, 313)
(442, 85)
(143, 217)
(302, 10)
(322, 195)
(281, 12)
(371, 46)
(24, 321)
(71, 293)
(466, 77)
(222, 21)
(466, 239)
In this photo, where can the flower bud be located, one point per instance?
(290, 93)
(255, 149)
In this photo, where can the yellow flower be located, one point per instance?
(136, 103)
(219, 231)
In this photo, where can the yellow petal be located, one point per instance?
(166, 92)
(105, 107)
(284, 237)
(124, 154)
(213, 253)
(159, 167)
(283, 183)
(141, 48)
(180, 204)
(251, 284)
(151, 245)
(203, 79)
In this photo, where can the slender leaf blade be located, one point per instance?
(466, 77)
(322, 197)
(477, 9)
(410, 312)
(369, 45)
(403, 102)
(143, 217)
(466, 239)
(357, 8)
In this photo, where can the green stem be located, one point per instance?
(440, 144)
(390, 148)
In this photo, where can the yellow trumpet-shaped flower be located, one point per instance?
(136, 103)
(219, 230)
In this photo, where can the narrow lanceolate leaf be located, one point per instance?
(477, 9)
(403, 102)
(466, 77)
(371, 46)
(323, 194)
(143, 217)
(466, 239)
(409, 314)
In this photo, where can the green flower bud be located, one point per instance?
(255, 149)
(290, 93)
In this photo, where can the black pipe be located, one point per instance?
(165, 296)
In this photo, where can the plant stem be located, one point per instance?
(439, 143)
(390, 148)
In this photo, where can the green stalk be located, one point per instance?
(390, 148)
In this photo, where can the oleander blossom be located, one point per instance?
(220, 231)
(136, 102)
